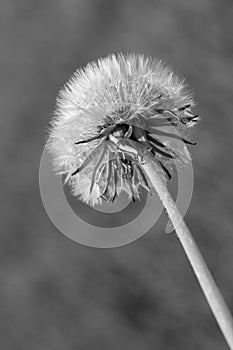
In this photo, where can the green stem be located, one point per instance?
(207, 283)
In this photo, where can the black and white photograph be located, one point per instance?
(116, 229)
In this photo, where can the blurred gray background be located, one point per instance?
(54, 293)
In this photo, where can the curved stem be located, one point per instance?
(207, 283)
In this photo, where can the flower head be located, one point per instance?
(109, 116)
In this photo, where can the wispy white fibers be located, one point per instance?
(108, 116)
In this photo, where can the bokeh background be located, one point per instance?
(54, 293)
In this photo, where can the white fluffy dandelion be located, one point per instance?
(109, 116)
(109, 134)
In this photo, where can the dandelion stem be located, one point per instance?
(207, 283)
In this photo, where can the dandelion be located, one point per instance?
(109, 116)
(119, 126)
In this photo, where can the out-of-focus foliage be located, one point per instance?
(54, 293)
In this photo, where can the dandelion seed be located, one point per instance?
(109, 116)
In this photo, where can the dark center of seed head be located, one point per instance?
(120, 130)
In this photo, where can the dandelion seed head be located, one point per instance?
(108, 116)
